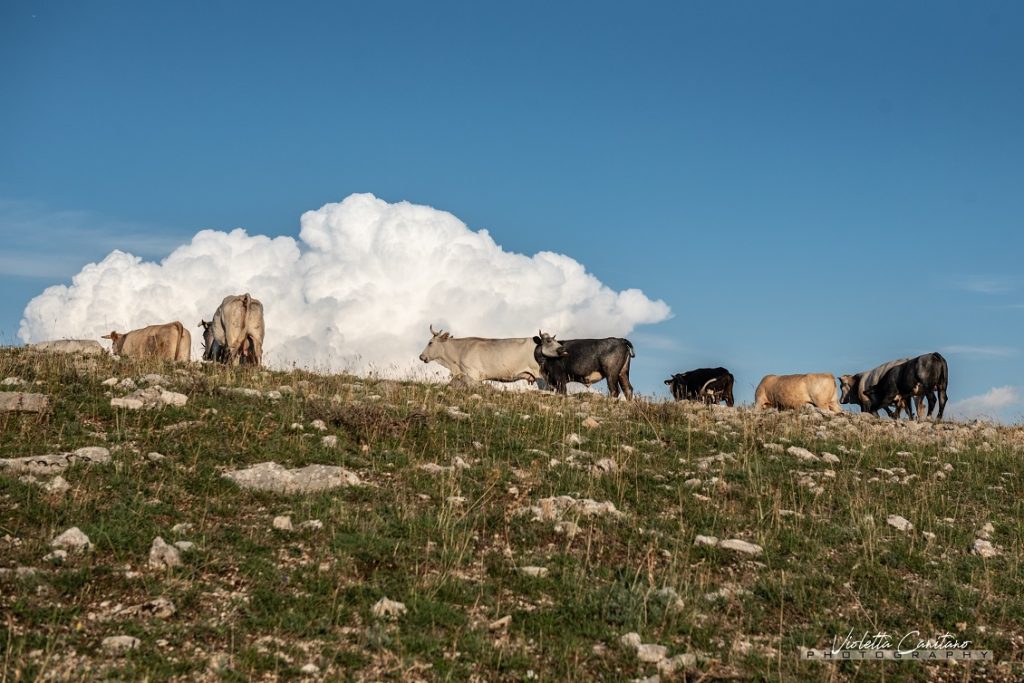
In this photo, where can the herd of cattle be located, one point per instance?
(235, 333)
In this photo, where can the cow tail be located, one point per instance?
(944, 372)
(629, 345)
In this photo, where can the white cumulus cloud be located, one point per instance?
(355, 292)
(992, 404)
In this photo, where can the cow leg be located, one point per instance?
(627, 388)
(613, 384)
(931, 403)
(623, 373)
(942, 401)
(919, 403)
(257, 350)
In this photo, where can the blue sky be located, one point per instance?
(810, 186)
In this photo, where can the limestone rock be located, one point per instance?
(739, 546)
(16, 401)
(388, 609)
(801, 453)
(47, 464)
(157, 608)
(537, 572)
(271, 476)
(119, 645)
(163, 556)
(899, 522)
(72, 540)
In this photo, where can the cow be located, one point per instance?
(170, 341)
(479, 358)
(585, 361)
(853, 388)
(708, 385)
(236, 332)
(792, 392)
(84, 346)
(921, 377)
(212, 350)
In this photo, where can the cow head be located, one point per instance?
(434, 346)
(117, 341)
(848, 387)
(549, 346)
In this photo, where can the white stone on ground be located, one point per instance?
(73, 540)
(984, 548)
(120, 644)
(899, 522)
(388, 609)
(741, 546)
(538, 572)
(162, 555)
(283, 523)
(801, 453)
(270, 476)
(46, 464)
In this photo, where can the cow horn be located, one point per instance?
(432, 332)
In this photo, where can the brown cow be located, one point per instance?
(792, 392)
(170, 341)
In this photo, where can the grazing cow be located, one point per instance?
(478, 358)
(83, 346)
(853, 388)
(792, 392)
(586, 361)
(922, 377)
(236, 332)
(170, 342)
(708, 385)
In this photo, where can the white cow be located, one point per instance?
(236, 331)
(477, 358)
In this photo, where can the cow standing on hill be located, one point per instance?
(170, 341)
(854, 388)
(236, 332)
(708, 385)
(478, 358)
(919, 378)
(792, 392)
(585, 361)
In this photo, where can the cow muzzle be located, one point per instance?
(423, 358)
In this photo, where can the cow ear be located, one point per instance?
(537, 340)
(445, 336)
(669, 381)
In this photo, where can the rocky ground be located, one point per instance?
(202, 523)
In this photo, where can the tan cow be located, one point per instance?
(236, 331)
(792, 392)
(170, 341)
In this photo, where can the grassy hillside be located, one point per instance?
(252, 602)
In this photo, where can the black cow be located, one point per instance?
(922, 377)
(586, 361)
(708, 385)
